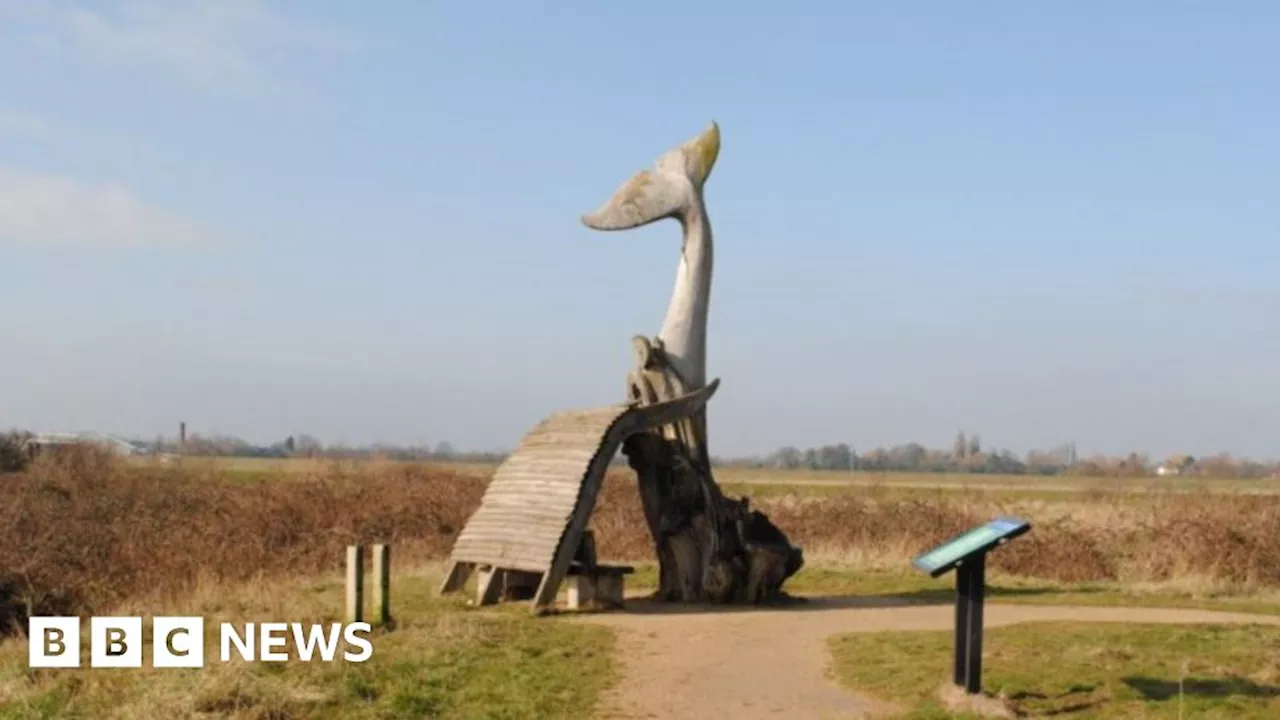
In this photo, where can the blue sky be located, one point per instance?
(1037, 222)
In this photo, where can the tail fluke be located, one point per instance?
(647, 196)
(663, 192)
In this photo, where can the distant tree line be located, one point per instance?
(967, 454)
(307, 446)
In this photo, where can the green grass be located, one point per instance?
(920, 588)
(766, 490)
(1069, 490)
(445, 660)
(914, 587)
(1079, 670)
(449, 660)
(1053, 483)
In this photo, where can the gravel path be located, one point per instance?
(688, 662)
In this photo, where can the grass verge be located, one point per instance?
(1003, 588)
(1076, 670)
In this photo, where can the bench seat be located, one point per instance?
(596, 587)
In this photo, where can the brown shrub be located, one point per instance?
(892, 528)
(618, 520)
(1231, 538)
(81, 530)
(1220, 538)
(1058, 551)
(13, 451)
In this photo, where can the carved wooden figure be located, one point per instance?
(710, 548)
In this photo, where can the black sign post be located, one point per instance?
(967, 554)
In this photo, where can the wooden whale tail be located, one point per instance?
(665, 191)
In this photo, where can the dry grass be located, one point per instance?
(1214, 542)
(736, 475)
(84, 530)
(443, 660)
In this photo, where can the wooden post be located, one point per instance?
(382, 586)
(355, 583)
(489, 586)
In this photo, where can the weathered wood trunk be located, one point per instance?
(710, 548)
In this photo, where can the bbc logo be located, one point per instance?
(178, 642)
(116, 642)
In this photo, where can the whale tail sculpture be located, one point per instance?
(710, 548)
(529, 529)
(671, 189)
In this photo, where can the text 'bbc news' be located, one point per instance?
(179, 642)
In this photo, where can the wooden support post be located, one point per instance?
(382, 586)
(609, 590)
(457, 576)
(586, 555)
(355, 583)
(489, 586)
(582, 592)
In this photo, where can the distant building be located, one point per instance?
(41, 442)
(1180, 465)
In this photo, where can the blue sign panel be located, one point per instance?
(976, 541)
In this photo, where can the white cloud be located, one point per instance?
(42, 209)
(216, 43)
(206, 42)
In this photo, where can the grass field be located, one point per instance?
(442, 660)
(837, 478)
(90, 534)
(915, 587)
(227, 519)
(1077, 670)
(445, 659)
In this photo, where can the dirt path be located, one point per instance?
(697, 663)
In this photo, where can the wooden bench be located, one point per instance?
(592, 585)
(538, 503)
(597, 587)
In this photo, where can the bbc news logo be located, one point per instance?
(178, 642)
